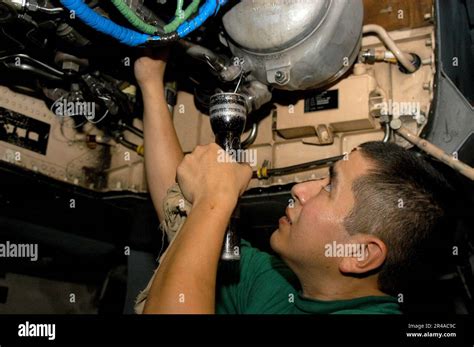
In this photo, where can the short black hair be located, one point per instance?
(400, 200)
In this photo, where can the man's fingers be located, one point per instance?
(199, 149)
(248, 176)
(184, 165)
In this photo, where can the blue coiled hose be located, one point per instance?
(104, 25)
(206, 10)
(130, 37)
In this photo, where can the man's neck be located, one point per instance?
(340, 288)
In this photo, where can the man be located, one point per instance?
(342, 246)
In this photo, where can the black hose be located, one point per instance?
(28, 64)
(132, 129)
(128, 144)
(32, 69)
(261, 173)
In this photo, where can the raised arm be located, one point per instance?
(163, 152)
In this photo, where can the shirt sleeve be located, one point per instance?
(259, 283)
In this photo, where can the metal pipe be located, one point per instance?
(432, 150)
(18, 63)
(388, 133)
(252, 136)
(48, 10)
(216, 63)
(31, 5)
(403, 58)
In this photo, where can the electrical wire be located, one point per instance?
(240, 79)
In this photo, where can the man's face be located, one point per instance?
(317, 217)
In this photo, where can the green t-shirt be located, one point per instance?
(267, 286)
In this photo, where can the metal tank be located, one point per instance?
(295, 44)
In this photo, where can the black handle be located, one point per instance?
(231, 247)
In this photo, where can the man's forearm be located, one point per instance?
(186, 280)
(163, 152)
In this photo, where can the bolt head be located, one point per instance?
(281, 77)
(395, 124)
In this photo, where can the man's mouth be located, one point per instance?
(285, 220)
(287, 216)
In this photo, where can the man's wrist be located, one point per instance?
(221, 202)
(152, 87)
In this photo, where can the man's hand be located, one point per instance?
(203, 177)
(189, 269)
(150, 69)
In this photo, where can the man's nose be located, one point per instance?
(302, 192)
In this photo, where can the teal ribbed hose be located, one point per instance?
(179, 7)
(181, 17)
(132, 17)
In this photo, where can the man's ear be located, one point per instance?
(370, 254)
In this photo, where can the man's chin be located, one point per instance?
(274, 241)
(279, 246)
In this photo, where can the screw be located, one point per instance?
(280, 77)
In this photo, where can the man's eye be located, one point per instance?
(328, 187)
